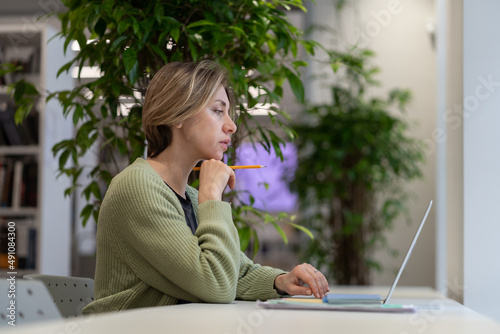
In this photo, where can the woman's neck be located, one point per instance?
(174, 168)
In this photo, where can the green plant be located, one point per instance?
(354, 154)
(131, 40)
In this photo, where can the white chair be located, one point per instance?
(70, 294)
(25, 301)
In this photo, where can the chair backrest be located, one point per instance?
(25, 301)
(70, 294)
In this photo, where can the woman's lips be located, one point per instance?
(225, 143)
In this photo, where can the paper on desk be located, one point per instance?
(307, 304)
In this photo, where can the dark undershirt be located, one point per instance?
(187, 206)
(191, 221)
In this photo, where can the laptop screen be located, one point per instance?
(408, 253)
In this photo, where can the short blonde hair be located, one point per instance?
(178, 91)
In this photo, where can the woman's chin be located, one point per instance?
(218, 156)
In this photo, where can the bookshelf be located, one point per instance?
(31, 195)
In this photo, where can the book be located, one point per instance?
(17, 186)
(32, 251)
(4, 248)
(6, 200)
(8, 124)
(30, 184)
(2, 177)
(22, 230)
(25, 133)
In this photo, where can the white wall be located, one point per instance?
(398, 33)
(449, 145)
(481, 69)
(55, 238)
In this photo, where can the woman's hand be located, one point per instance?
(293, 282)
(214, 176)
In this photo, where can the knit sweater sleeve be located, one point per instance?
(256, 281)
(151, 236)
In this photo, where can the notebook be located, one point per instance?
(339, 299)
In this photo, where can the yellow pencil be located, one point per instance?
(238, 167)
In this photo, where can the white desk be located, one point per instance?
(244, 317)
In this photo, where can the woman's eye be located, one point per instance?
(219, 112)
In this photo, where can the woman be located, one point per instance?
(161, 242)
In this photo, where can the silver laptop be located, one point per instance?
(408, 253)
(346, 298)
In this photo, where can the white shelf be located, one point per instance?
(19, 150)
(10, 212)
(52, 217)
(20, 272)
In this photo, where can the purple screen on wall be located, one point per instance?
(277, 198)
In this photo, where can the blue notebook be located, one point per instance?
(344, 299)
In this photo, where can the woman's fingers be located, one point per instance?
(319, 280)
(313, 278)
(316, 281)
(214, 176)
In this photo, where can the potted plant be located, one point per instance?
(353, 156)
(129, 41)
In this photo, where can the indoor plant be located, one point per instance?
(353, 154)
(130, 40)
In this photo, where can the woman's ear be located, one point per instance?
(178, 125)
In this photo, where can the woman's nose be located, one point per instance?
(230, 126)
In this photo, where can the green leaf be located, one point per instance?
(159, 52)
(64, 68)
(299, 63)
(335, 66)
(295, 84)
(23, 110)
(175, 33)
(63, 159)
(280, 231)
(244, 234)
(117, 43)
(100, 27)
(192, 47)
(129, 59)
(122, 26)
(86, 212)
(200, 23)
(6, 68)
(19, 90)
(131, 64)
(303, 229)
(134, 73)
(96, 191)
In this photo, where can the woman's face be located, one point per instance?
(208, 133)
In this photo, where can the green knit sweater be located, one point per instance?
(148, 256)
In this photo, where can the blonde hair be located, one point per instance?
(177, 92)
